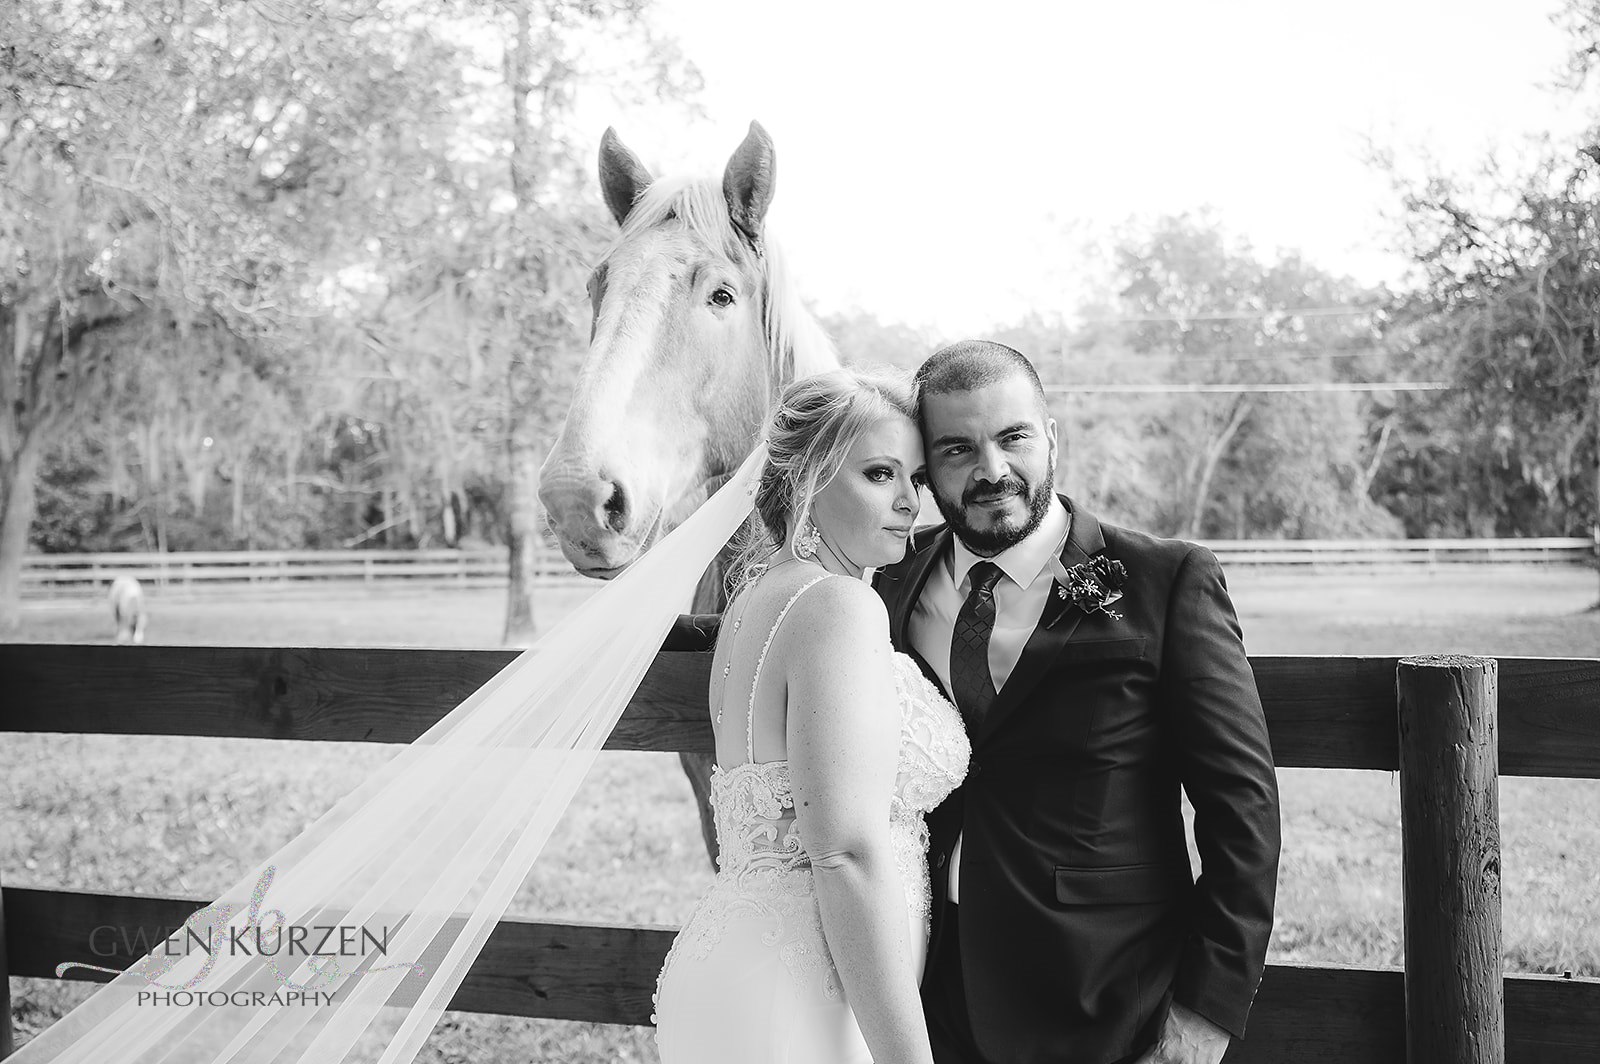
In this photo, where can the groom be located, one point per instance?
(1098, 671)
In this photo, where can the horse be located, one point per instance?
(127, 609)
(696, 329)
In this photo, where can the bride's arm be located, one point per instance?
(844, 739)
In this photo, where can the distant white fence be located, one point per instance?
(1403, 552)
(197, 572)
(200, 572)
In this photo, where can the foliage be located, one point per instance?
(1191, 307)
(861, 338)
(1507, 309)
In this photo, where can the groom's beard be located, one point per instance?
(990, 541)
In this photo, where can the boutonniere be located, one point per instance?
(1092, 586)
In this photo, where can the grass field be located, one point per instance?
(167, 816)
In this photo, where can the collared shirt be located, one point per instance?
(1019, 597)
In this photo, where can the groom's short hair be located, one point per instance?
(968, 365)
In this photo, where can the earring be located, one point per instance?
(806, 540)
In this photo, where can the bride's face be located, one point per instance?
(865, 513)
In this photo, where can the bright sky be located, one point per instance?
(944, 163)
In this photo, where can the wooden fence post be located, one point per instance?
(1450, 838)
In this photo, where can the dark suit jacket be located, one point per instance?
(1079, 919)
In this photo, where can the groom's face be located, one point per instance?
(991, 461)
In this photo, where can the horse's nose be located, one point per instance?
(614, 506)
(592, 512)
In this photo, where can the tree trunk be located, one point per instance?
(119, 483)
(1214, 454)
(1364, 485)
(291, 465)
(238, 498)
(1594, 397)
(522, 531)
(522, 488)
(386, 500)
(18, 501)
(447, 515)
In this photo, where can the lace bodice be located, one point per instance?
(764, 872)
(754, 806)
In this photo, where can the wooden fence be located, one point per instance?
(1324, 712)
(196, 572)
(1404, 553)
(201, 572)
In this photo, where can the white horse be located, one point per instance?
(696, 330)
(127, 609)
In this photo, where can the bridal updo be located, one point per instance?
(809, 434)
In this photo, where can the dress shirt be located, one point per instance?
(1019, 598)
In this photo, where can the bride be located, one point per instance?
(830, 749)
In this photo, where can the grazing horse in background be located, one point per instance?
(696, 330)
(127, 609)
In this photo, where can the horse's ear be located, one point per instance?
(748, 182)
(623, 177)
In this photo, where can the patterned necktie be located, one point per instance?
(970, 680)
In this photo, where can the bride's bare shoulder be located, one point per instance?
(838, 615)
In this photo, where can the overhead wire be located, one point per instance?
(1245, 389)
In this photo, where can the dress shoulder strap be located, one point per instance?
(761, 659)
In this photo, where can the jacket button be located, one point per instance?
(939, 861)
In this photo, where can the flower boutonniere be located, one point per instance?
(1094, 585)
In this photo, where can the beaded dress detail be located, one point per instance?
(759, 923)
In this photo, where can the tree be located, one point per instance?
(58, 299)
(176, 171)
(1192, 307)
(1507, 309)
(1508, 312)
(861, 338)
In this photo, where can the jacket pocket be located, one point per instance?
(1102, 649)
(1140, 884)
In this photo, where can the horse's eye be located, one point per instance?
(721, 297)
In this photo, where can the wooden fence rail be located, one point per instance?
(199, 571)
(1323, 712)
(1403, 553)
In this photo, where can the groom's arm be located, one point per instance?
(1225, 762)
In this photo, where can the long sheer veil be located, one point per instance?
(423, 857)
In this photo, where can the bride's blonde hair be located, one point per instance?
(809, 434)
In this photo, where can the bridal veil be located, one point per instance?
(422, 858)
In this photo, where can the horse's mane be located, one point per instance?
(796, 345)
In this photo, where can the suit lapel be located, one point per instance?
(916, 578)
(1057, 623)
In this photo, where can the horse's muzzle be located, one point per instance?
(595, 521)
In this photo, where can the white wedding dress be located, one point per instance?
(749, 979)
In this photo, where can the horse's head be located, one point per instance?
(691, 336)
